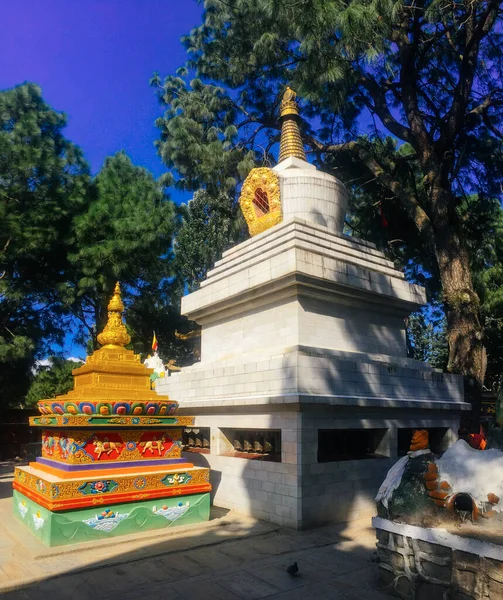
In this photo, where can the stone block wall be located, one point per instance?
(316, 372)
(415, 569)
(266, 490)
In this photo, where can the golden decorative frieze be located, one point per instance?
(100, 421)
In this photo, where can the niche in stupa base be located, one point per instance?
(196, 439)
(336, 445)
(255, 444)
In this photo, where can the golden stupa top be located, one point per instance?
(112, 375)
(115, 332)
(291, 141)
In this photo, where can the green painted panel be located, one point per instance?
(75, 526)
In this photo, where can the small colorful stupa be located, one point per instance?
(111, 453)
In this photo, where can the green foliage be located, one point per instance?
(51, 380)
(124, 235)
(426, 338)
(198, 136)
(65, 240)
(210, 224)
(484, 225)
(43, 186)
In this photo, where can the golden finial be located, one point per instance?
(115, 333)
(291, 142)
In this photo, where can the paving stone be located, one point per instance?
(213, 559)
(278, 544)
(278, 577)
(204, 590)
(247, 587)
(364, 582)
(317, 591)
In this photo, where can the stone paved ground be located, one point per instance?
(230, 558)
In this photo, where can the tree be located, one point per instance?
(426, 339)
(124, 235)
(427, 73)
(52, 380)
(43, 185)
(210, 224)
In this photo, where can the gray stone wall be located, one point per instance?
(419, 570)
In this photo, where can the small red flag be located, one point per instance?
(384, 221)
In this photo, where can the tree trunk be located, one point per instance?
(462, 307)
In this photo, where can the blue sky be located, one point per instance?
(93, 60)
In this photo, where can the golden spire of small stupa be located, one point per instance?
(115, 333)
(291, 142)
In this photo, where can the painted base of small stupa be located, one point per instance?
(103, 522)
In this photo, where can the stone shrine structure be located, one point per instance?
(440, 523)
(303, 387)
(111, 453)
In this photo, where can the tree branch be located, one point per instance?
(491, 127)
(380, 108)
(409, 202)
(474, 34)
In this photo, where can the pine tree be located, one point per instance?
(124, 235)
(210, 224)
(43, 185)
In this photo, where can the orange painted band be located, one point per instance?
(108, 473)
(90, 502)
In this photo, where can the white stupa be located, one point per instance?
(303, 338)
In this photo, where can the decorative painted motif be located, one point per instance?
(106, 521)
(105, 409)
(98, 487)
(48, 443)
(23, 509)
(82, 492)
(140, 483)
(176, 479)
(76, 447)
(106, 447)
(38, 521)
(172, 513)
(155, 445)
(100, 421)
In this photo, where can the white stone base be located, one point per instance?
(299, 491)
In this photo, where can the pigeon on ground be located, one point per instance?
(293, 569)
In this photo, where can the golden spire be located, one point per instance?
(291, 142)
(115, 333)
